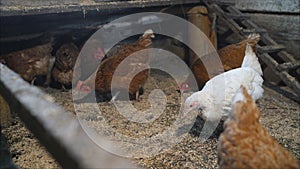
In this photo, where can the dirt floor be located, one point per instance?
(280, 116)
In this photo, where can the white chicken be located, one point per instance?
(214, 101)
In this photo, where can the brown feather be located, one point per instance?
(107, 68)
(31, 62)
(231, 57)
(66, 57)
(246, 144)
(199, 17)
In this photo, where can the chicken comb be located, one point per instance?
(99, 54)
(79, 84)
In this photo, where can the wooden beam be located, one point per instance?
(287, 6)
(58, 130)
(270, 48)
(229, 22)
(254, 30)
(234, 16)
(76, 6)
(246, 26)
(291, 81)
(223, 2)
(264, 37)
(288, 65)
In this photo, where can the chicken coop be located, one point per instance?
(62, 90)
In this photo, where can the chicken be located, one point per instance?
(199, 17)
(214, 100)
(246, 144)
(101, 79)
(170, 44)
(231, 57)
(200, 72)
(66, 57)
(30, 63)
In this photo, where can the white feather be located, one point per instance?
(215, 98)
(149, 31)
(251, 60)
(239, 96)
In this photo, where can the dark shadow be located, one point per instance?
(198, 125)
(5, 160)
(288, 94)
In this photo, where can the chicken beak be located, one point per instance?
(188, 108)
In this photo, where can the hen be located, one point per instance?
(30, 63)
(231, 57)
(246, 144)
(199, 17)
(101, 79)
(66, 57)
(214, 100)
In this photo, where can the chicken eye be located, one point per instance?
(191, 106)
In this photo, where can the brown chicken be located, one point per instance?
(125, 74)
(246, 144)
(199, 17)
(66, 57)
(231, 57)
(30, 63)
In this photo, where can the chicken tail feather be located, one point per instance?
(251, 60)
(254, 37)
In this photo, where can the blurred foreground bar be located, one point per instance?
(56, 129)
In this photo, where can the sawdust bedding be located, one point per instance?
(279, 115)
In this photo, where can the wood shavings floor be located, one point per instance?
(280, 116)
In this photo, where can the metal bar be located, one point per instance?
(56, 129)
